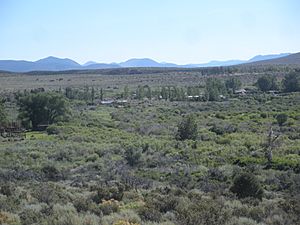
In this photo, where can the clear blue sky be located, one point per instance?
(190, 31)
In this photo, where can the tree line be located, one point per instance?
(290, 83)
(39, 107)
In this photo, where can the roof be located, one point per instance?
(240, 91)
(105, 102)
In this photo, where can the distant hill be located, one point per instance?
(218, 63)
(291, 59)
(89, 63)
(57, 64)
(53, 63)
(16, 65)
(140, 63)
(50, 63)
(101, 66)
(237, 62)
(267, 57)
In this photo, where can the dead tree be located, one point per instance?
(270, 145)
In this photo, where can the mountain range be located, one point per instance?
(57, 64)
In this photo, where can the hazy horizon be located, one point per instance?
(165, 31)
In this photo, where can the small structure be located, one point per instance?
(42, 127)
(273, 92)
(119, 102)
(240, 92)
(193, 97)
(223, 97)
(106, 102)
(12, 131)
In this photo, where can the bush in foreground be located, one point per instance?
(247, 185)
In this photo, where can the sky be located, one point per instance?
(189, 31)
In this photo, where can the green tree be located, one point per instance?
(267, 83)
(214, 88)
(147, 91)
(164, 93)
(187, 128)
(42, 108)
(233, 84)
(247, 185)
(69, 93)
(133, 155)
(86, 93)
(101, 94)
(126, 92)
(2, 112)
(93, 94)
(291, 82)
(140, 92)
(281, 118)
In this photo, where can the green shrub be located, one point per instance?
(133, 155)
(67, 215)
(7, 218)
(187, 129)
(7, 189)
(149, 213)
(51, 172)
(222, 128)
(108, 193)
(281, 118)
(201, 211)
(242, 221)
(109, 206)
(129, 216)
(52, 129)
(33, 214)
(247, 185)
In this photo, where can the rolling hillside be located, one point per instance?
(292, 59)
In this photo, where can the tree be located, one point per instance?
(270, 145)
(42, 108)
(126, 92)
(233, 84)
(291, 82)
(101, 94)
(133, 155)
(2, 112)
(86, 93)
(281, 118)
(148, 92)
(247, 185)
(267, 83)
(164, 93)
(140, 92)
(69, 93)
(187, 128)
(93, 95)
(214, 88)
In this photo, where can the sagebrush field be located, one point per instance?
(149, 146)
